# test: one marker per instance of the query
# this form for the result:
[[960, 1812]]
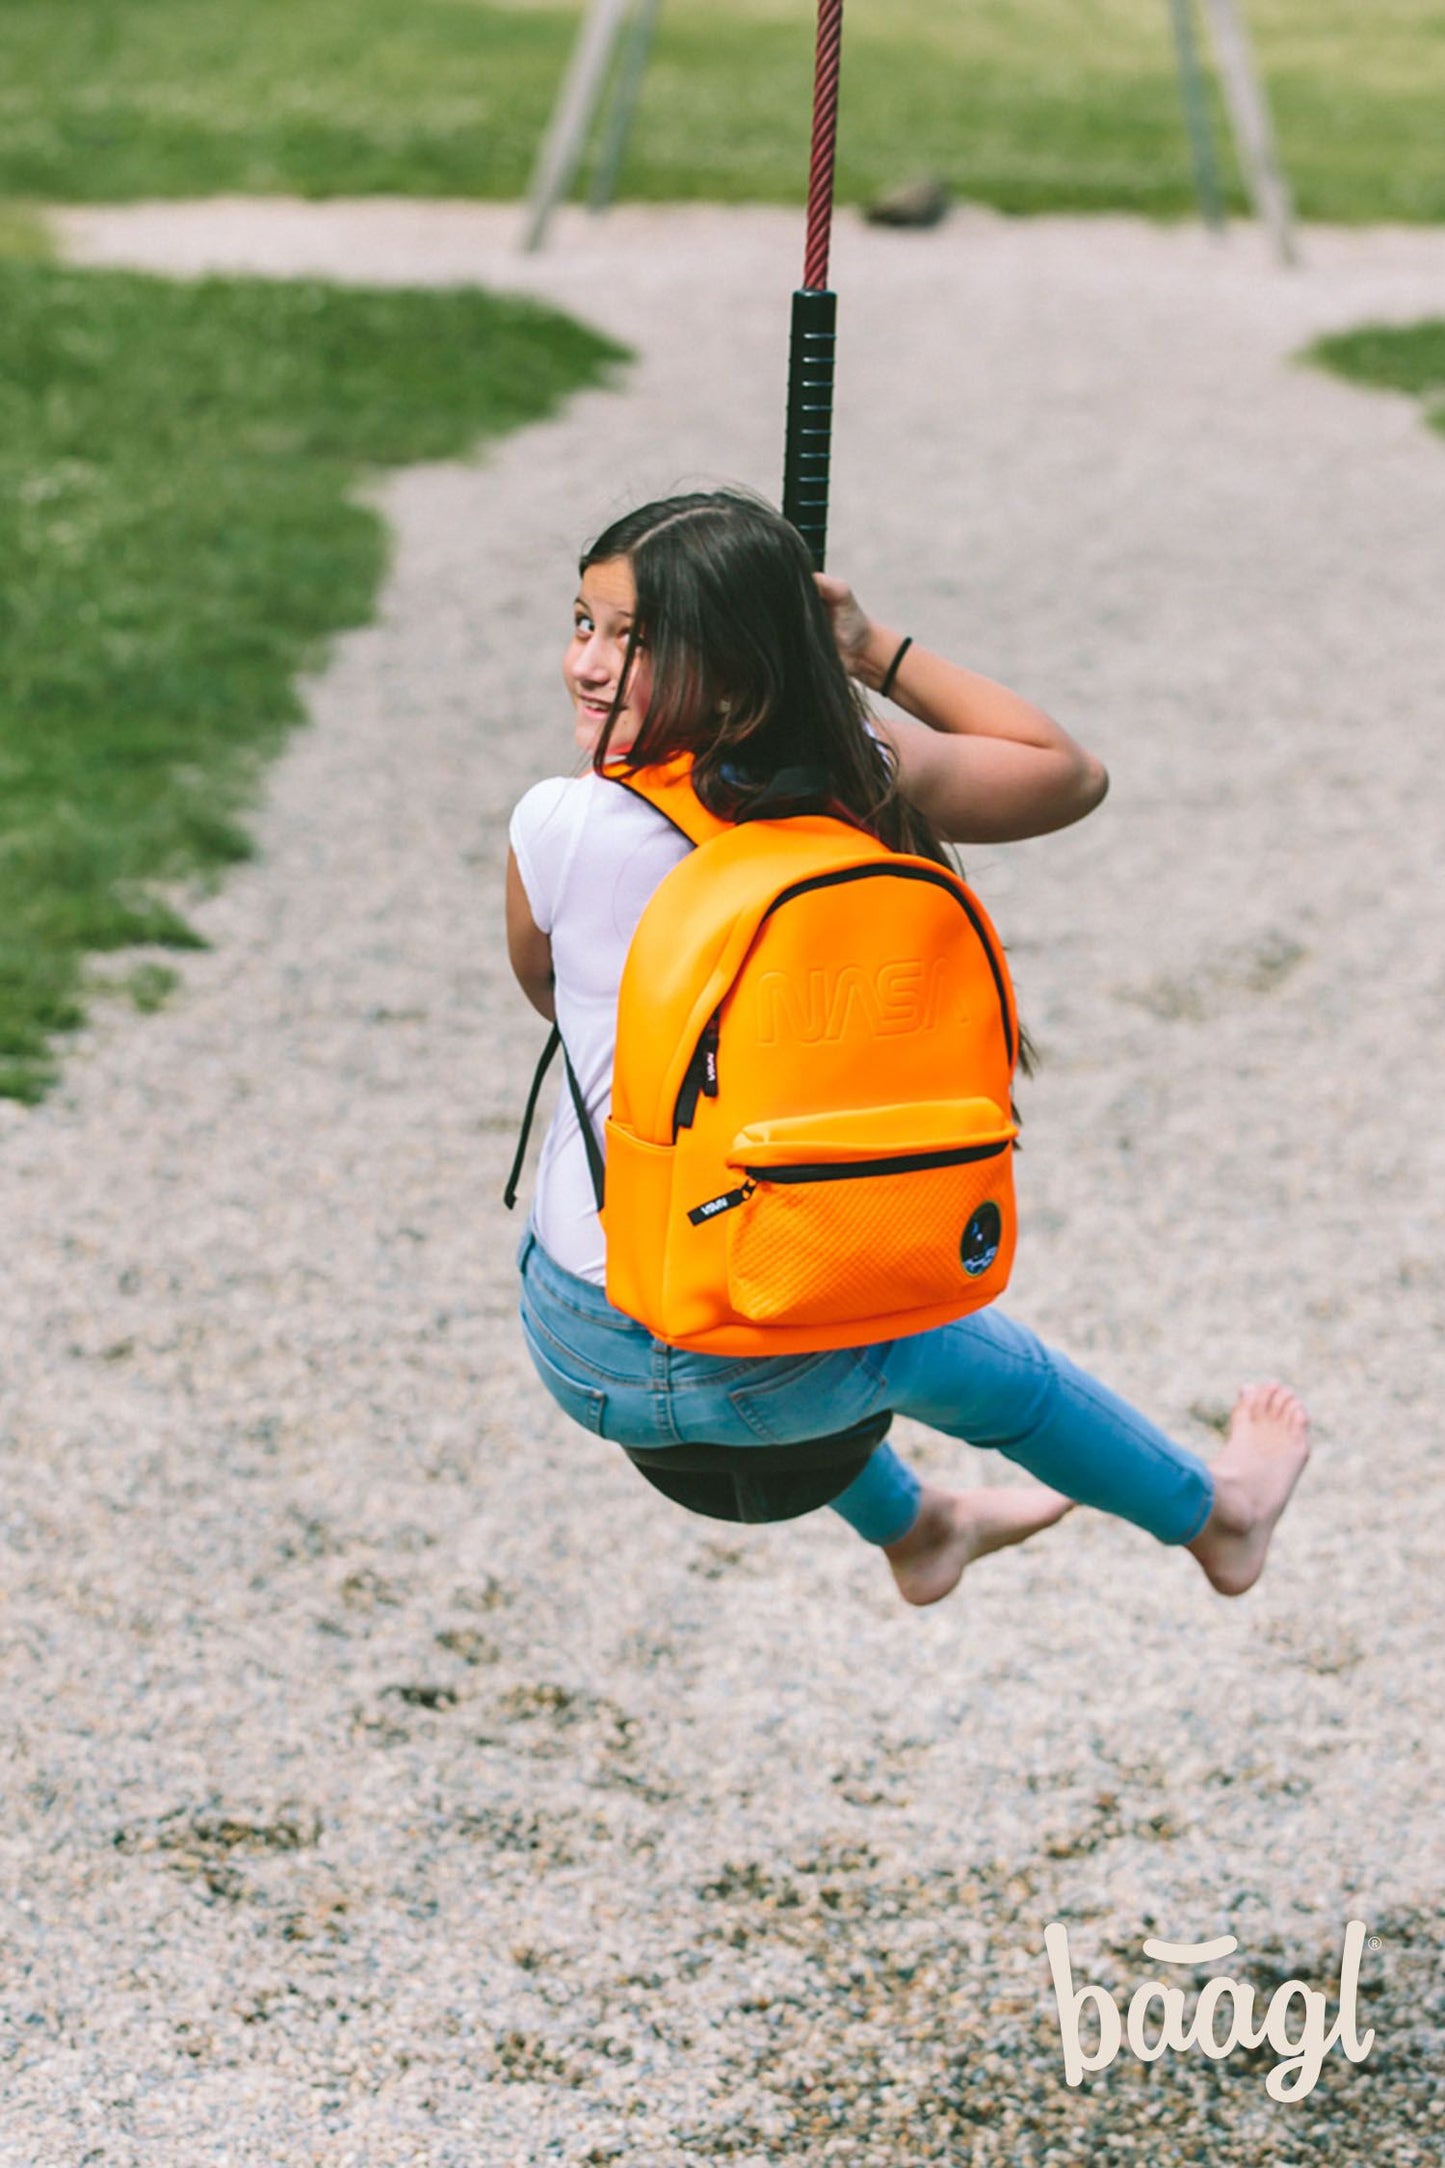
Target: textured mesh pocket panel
[[826, 1253]]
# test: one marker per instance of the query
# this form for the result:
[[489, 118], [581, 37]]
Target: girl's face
[[593, 664]]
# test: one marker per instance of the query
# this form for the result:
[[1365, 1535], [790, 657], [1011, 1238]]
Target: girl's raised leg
[[991, 1381]]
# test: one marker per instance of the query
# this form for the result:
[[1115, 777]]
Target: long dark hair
[[746, 674]]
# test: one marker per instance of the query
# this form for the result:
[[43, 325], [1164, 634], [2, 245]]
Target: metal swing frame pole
[[626, 91], [1248, 108], [561, 148], [1196, 117], [809, 442]]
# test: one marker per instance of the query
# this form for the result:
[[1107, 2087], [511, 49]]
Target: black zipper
[[700, 1081], [911, 873], [847, 1170]]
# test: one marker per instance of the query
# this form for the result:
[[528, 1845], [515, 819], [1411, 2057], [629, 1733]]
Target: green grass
[[178, 534], [23, 238], [1028, 104], [1393, 357]]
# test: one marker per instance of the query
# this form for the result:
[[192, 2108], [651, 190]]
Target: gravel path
[[392, 1777]]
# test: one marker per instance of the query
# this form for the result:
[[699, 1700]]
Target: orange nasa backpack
[[810, 1142]]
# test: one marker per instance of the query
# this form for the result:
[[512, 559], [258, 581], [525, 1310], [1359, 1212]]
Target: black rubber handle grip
[[810, 417]]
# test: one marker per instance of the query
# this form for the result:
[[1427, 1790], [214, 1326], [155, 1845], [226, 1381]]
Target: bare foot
[[954, 1528], [1253, 1477]]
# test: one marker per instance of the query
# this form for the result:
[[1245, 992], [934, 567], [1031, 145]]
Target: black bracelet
[[886, 684]]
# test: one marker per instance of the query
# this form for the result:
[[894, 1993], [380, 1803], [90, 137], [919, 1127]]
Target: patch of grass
[[150, 986], [1028, 104], [23, 235], [1395, 357], [178, 535]]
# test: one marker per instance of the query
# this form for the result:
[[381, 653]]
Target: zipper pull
[[701, 1079], [727, 1202]]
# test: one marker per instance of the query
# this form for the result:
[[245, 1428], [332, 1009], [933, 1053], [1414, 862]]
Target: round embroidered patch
[[981, 1238]]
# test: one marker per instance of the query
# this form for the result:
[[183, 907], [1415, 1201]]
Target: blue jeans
[[983, 1378]]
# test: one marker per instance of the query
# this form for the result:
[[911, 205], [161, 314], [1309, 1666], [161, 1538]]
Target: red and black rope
[[825, 143]]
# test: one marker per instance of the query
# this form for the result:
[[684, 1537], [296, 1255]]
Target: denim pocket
[[586, 1404], [808, 1396]]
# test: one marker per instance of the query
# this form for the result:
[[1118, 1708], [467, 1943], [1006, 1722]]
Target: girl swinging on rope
[[701, 628]]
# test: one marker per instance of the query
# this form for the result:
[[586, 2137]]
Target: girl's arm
[[528, 947], [981, 764]]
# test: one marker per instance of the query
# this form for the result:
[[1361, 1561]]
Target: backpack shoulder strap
[[668, 786], [595, 1164], [509, 1194]]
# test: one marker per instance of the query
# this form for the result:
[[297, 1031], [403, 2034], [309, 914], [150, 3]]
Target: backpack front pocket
[[865, 1213]]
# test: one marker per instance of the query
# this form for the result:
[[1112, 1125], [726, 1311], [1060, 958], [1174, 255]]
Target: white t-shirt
[[590, 854]]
